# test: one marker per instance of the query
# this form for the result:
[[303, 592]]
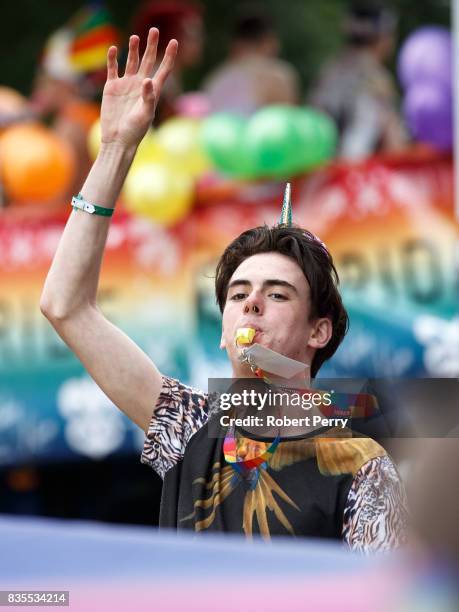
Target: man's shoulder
[[181, 410], [346, 451], [173, 388]]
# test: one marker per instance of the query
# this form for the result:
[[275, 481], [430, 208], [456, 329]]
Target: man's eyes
[[240, 296], [278, 296]]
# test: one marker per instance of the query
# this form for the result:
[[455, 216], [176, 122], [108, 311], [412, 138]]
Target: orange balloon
[[35, 164]]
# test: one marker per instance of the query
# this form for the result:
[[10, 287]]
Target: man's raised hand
[[129, 102]]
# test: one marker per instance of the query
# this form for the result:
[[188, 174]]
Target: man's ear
[[222, 341], [321, 333]]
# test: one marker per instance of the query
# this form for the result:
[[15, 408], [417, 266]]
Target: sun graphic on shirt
[[335, 455]]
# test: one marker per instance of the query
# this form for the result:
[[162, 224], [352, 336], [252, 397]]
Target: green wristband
[[79, 203]]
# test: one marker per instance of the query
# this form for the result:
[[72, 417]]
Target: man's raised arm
[[68, 300]]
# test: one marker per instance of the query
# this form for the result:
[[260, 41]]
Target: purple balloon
[[428, 110], [426, 56]]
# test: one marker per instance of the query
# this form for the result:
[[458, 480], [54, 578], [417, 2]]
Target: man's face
[[270, 293]]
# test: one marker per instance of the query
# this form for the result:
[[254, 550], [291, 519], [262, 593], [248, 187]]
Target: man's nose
[[252, 305], [251, 308]]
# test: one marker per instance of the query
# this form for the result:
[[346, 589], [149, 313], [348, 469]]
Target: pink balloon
[[194, 105]]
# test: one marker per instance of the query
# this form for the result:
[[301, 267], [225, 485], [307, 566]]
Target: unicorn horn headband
[[286, 213]]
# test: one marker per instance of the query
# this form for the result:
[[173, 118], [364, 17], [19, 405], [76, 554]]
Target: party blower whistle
[[245, 335]]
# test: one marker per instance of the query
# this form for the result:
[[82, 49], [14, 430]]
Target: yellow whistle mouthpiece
[[245, 335]]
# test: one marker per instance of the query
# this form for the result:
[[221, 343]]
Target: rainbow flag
[[94, 34]]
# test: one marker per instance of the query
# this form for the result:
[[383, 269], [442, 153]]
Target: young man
[[281, 283]]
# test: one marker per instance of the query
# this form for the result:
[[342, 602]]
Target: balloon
[[180, 139], [319, 137], [327, 135], [273, 141], [308, 153], [159, 192], [193, 104], [428, 111], [426, 55], [149, 149], [35, 165], [223, 140], [277, 141]]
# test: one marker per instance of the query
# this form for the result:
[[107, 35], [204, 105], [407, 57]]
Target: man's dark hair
[[314, 260]]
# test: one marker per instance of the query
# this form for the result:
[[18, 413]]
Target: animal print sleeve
[[179, 412], [375, 516]]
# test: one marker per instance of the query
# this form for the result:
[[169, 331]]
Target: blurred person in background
[[356, 88], [69, 81], [253, 75], [178, 19]]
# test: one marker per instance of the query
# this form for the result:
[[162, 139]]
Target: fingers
[[148, 61], [132, 62], [112, 64], [166, 65], [149, 57], [148, 94]]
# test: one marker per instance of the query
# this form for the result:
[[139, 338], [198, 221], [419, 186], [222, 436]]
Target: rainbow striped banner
[[389, 224]]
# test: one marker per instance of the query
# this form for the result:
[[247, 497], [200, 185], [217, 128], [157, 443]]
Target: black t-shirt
[[325, 484], [287, 495]]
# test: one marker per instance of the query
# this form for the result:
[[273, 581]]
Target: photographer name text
[[282, 421]]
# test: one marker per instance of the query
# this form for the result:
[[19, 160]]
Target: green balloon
[[278, 141], [319, 137], [222, 137], [309, 154], [272, 141], [327, 135]]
